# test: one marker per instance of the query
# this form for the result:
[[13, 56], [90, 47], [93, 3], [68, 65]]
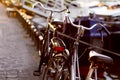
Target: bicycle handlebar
[[86, 28], [48, 9], [78, 26]]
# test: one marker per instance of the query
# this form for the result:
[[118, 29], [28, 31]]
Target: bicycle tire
[[53, 65], [64, 74], [45, 74], [43, 57]]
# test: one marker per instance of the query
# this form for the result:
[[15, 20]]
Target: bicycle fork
[[75, 71]]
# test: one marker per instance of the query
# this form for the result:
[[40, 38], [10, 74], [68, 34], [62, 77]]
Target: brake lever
[[106, 30]]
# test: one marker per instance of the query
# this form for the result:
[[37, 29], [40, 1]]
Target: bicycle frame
[[75, 72]]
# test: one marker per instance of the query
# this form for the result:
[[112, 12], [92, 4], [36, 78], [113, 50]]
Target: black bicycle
[[53, 49]]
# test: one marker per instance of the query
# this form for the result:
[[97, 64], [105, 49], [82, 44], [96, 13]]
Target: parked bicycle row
[[59, 55], [59, 44]]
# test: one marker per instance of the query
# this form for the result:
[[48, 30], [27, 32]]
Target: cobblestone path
[[18, 57]]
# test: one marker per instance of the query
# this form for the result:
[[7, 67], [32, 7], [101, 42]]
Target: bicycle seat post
[[93, 68]]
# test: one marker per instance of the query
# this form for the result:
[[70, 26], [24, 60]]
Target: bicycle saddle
[[99, 58]]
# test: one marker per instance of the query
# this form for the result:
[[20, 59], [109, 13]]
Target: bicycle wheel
[[46, 74], [54, 69], [58, 56], [49, 71], [64, 74]]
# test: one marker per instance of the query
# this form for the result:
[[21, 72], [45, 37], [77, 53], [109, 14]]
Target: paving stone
[[23, 73], [2, 74], [3, 79], [24, 78], [12, 78], [12, 73]]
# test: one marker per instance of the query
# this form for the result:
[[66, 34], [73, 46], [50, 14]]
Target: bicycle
[[74, 58], [49, 48], [74, 73], [97, 58]]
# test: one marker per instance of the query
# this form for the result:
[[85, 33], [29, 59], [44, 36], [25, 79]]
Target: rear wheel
[[47, 75], [54, 69], [57, 69]]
